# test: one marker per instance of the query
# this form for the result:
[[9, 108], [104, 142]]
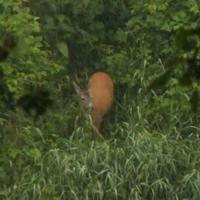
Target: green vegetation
[[151, 145]]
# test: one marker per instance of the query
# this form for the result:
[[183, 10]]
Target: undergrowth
[[143, 166]]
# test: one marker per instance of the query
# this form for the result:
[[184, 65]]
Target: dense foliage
[[151, 141]]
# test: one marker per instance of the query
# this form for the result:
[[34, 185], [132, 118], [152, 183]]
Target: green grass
[[153, 153], [142, 166]]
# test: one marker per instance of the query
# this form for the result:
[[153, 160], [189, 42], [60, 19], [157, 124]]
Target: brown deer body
[[98, 96]]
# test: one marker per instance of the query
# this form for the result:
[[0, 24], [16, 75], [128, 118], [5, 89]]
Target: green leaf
[[63, 48], [14, 152], [182, 14], [86, 2], [2, 121], [61, 17], [35, 154]]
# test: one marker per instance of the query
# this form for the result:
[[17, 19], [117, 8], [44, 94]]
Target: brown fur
[[99, 94]]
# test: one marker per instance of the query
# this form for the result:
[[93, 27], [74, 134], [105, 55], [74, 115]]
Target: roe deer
[[98, 96]]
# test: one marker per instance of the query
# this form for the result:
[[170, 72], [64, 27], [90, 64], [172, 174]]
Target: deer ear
[[89, 84], [77, 88]]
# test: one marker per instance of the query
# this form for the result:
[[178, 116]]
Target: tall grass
[[142, 166], [153, 153]]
